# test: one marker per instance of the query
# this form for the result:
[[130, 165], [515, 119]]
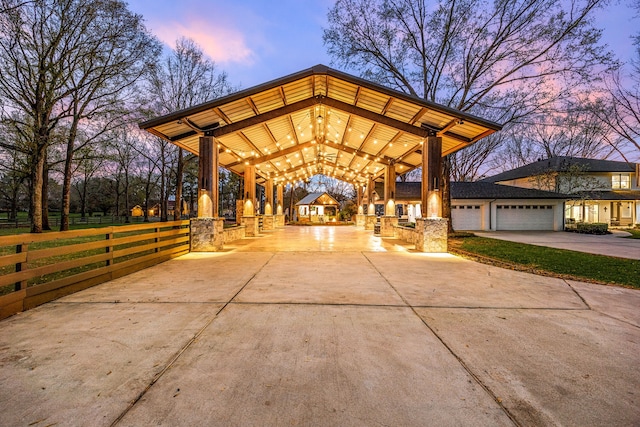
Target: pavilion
[[319, 121]]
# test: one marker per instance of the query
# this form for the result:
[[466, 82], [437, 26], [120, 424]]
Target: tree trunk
[[35, 203], [83, 199], [126, 198], [66, 185], [177, 210], [45, 194]]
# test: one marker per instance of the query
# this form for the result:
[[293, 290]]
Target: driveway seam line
[[184, 348], [458, 358], [577, 293]]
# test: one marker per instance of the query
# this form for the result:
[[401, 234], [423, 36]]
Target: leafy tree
[[186, 77], [503, 60], [62, 59]]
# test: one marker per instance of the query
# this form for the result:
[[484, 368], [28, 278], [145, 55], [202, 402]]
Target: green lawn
[[635, 233], [557, 262]]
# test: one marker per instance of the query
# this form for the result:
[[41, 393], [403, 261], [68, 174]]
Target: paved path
[[325, 326], [609, 244]]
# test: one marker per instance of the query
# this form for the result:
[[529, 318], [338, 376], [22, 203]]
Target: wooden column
[[208, 194], [280, 193], [249, 190], [371, 207], [268, 208], [431, 186], [390, 190]]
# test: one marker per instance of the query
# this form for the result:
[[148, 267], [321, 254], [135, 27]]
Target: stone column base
[[207, 234], [279, 220], [431, 234], [251, 226], [360, 219], [268, 223], [387, 224], [369, 222]]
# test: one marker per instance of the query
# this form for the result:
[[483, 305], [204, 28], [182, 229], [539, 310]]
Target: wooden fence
[[38, 268]]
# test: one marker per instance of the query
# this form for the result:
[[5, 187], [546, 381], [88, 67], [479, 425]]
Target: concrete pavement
[[325, 326], [609, 244]]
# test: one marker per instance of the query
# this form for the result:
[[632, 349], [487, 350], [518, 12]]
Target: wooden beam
[[283, 95], [387, 106], [219, 112], [280, 153], [448, 126], [261, 118], [375, 117], [419, 114], [253, 106]]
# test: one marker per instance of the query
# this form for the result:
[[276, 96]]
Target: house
[[317, 207], [137, 211], [487, 206], [604, 191]]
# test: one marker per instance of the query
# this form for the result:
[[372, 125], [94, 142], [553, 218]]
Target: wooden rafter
[[387, 106], [448, 126], [419, 114], [221, 113], [253, 106], [265, 117]]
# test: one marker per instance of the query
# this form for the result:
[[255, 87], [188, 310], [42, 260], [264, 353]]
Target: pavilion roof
[[320, 121], [318, 199]]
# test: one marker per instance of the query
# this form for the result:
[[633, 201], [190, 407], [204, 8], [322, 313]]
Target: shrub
[[592, 228]]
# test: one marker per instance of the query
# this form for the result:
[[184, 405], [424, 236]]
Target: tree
[[116, 52], [185, 78], [55, 59], [503, 60]]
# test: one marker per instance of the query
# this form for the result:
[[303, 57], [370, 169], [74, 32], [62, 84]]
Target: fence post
[[109, 248], [157, 239], [21, 266]]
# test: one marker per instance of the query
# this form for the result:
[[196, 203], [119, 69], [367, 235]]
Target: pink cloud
[[222, 44]]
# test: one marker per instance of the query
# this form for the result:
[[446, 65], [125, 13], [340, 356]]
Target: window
[[620, 182]]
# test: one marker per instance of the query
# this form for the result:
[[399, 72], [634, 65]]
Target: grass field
[[550, 261]]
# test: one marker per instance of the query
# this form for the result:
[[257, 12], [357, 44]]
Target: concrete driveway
[[345, 330], [614, 244]]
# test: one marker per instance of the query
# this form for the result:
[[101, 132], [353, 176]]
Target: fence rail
[[55, 221], [38, 268]]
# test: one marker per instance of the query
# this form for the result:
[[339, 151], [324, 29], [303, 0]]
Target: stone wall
[[233, 233], [405, 233]]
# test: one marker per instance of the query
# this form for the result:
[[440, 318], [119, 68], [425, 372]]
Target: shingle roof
[[612, 195], [406, 191], [312, 197], [561, 164]]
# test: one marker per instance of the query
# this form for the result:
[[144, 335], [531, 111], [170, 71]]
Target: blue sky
[[255, 41]]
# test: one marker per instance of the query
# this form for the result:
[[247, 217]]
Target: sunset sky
[[255, 41]]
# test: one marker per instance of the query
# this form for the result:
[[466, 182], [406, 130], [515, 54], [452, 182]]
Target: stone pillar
[[249, 219], [431, 166], [431, 235], [207, 234], [207, 229]]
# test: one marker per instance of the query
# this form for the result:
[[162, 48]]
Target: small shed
[[318, 207], [137, 211]]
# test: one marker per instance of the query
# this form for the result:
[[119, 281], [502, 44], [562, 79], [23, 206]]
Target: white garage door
[[524, 217], [466, 217]]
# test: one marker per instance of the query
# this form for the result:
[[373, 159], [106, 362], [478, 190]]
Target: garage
[[466, 217], [524, 217]]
